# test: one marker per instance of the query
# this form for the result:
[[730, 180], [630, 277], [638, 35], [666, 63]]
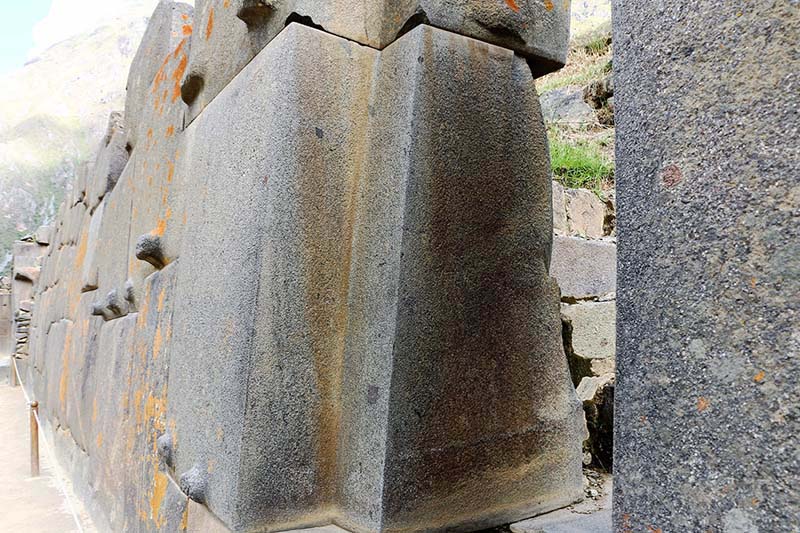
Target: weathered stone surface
[[450, 267], [91, 250], [597, 395], [225, 37], [108, 165], [707, 166], [200, 520], [168, 31], [584, 268], [6, 316], [290, 278], [560, 226], [565, 105], [590, 338], [300, 332], [44, 235], [586, 213], [593, 515], [358, 270]]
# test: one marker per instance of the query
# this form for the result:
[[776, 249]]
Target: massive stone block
[[442, 296], [227, 34], [304, 312], [709, 353], [263, 290]]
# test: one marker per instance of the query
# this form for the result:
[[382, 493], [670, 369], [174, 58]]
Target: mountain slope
[[53, 112]]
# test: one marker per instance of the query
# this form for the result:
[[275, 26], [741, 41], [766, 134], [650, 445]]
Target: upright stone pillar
[[708, 363]]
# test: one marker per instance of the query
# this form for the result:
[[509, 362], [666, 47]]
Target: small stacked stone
[[22, 324]]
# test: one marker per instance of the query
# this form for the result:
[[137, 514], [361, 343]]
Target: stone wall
[[585, 265], [6, 331], [306, 278]]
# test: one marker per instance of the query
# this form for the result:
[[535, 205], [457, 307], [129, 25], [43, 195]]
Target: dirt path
[[28, 505]]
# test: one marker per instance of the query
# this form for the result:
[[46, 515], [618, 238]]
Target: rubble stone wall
[[306, 278]]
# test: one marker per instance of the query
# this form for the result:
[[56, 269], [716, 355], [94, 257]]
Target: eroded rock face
[[319, 292]]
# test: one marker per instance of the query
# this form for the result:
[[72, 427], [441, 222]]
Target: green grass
[[589, 59], [579, 164], [583, 70]]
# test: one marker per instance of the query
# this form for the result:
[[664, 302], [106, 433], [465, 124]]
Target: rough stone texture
[[6, 316], [597, 395], [565, 105], [225, 43], [707, 167], [453, 288], [325, 299], [593, 515], [584, 268], [560, 226], [43, 235], [586, 213], [108, 165], [590, 338]]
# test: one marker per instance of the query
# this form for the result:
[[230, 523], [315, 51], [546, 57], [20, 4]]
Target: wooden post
[[34, 440], [14, 377]]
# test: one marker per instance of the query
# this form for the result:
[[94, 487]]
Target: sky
[[17, 19], [28, 27]]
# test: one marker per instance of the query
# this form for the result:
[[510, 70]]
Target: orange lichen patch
[[157, 498], [548, 5], [178, 49], [226, 3], [99, 440], [626, 523], [94, 410], [220, 433], [654, 529], [702, 404], [81, 254], [513, 5], [153, 408], [150, 133], [170, 172], [177, 76], [62, 389], [187, 29], [170, 131], [137, 401], [758, 378], [210, 23], [161, 297], [185, 519], [161, 227], [566, 5], [157, 342], [185, 17]]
